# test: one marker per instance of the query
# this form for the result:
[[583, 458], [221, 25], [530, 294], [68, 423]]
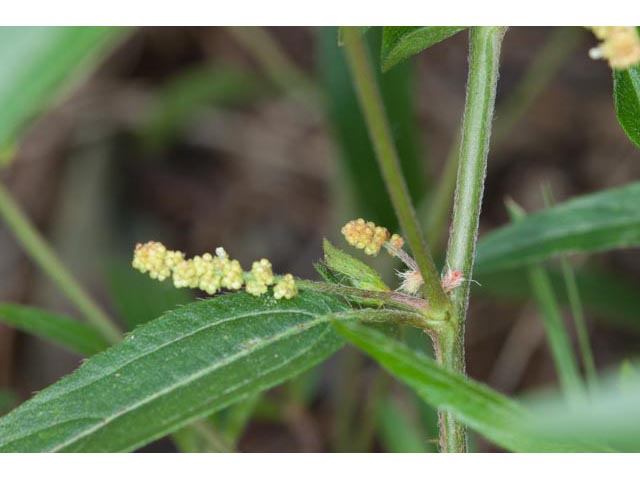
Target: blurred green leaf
[[554, 327], [610, 296], [486, 411], [591, 223], [139, 299], [398, 432], [71, 334], [357, 158], [626, 98], [38, 62], [184, 95], [186, 364], [400, 43], [610, 417]]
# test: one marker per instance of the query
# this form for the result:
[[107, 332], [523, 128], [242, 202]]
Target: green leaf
[[37, 62], [356, 273], [139, 299], [554, 327], [186, 364], [400, 43], [613, 297], [591, 223], [486, 411], [610, 417], [71, 334], [626, 98]]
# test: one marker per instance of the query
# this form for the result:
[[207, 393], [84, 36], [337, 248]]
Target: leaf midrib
[[40, 400], [186, 380]]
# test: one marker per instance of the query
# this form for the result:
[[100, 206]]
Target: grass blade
[[71, 334], [577, 311], [557, 336]]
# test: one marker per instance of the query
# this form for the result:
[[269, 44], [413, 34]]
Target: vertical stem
[[485, 43], [387, 155], [546, 64], [40, 251]]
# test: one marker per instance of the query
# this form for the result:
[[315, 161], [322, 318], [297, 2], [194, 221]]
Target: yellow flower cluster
[[620, 46], [285, 288], [154, 258], [261, 276], [365, 236], [209, 273], [371, 238]]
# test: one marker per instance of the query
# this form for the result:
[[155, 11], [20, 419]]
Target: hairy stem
[[41, 253], [546, 64], [373, 108], [484, 58]]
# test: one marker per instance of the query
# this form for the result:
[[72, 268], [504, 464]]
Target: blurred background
[[252, 139]]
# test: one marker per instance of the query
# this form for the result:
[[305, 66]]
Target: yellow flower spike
[[154, 258], [365, 236], [620, 46], [232, 275], [285, 288], [186, 275], [209, 272]]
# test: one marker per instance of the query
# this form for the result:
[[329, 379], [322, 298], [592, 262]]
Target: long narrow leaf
[[554, 327], [612, 297], [591, 223], [494, 416], [71, 334], [610, 417], [555, 330], [184, 365], [37, 62]]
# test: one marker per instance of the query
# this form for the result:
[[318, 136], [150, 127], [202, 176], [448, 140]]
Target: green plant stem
[[435, 209], [373, 109], [485, 43], [41, 253]]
